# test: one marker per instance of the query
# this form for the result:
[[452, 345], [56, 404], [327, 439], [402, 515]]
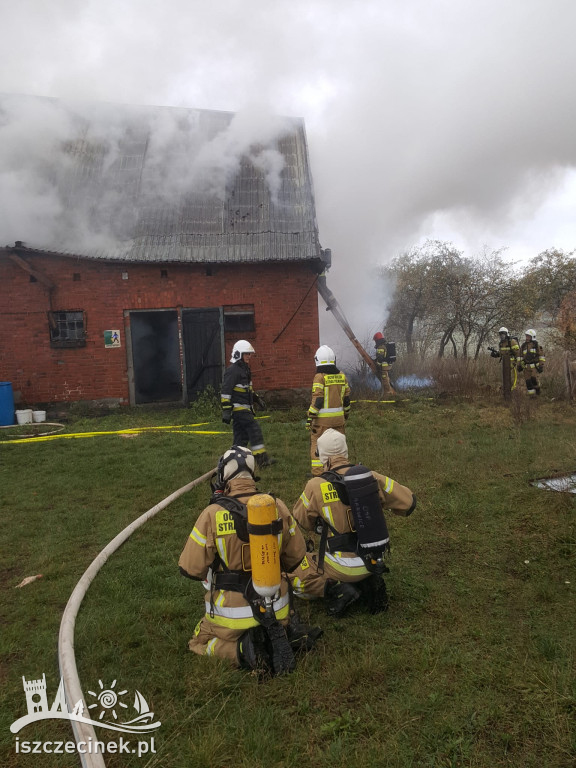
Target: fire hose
[[83, 732]]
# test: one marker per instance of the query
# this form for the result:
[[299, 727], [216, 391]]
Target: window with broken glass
[[67, 328]]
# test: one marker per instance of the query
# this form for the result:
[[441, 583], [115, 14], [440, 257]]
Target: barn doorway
[[156, 356], [202, 334]]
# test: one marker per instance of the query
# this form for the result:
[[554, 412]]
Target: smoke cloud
[[425, 118]]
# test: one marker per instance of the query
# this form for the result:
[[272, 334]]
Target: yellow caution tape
[[131, 431]]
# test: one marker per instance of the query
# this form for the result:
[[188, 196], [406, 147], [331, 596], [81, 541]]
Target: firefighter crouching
[[237, 401], [531, 361], [249, 619], [384, 359], [330, 404], [353, 534]]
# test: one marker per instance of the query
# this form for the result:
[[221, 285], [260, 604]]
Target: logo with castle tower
[[106, 703]]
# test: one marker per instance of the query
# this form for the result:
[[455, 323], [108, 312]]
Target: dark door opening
[[156, 356], [202, 332]]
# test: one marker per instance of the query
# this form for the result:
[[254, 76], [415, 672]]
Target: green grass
[[473, 665]]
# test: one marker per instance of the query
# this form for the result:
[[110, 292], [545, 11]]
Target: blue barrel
[[6, 404]]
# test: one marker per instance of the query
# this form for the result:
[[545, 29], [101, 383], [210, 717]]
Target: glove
[[519, 367], [227, 417], [539, 368], [494, 354], [260, 402]]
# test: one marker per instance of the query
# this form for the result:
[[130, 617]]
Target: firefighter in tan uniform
[[383, 362], [508, 353], [330, 404], [531, 361], [218, 553], [344, 569]]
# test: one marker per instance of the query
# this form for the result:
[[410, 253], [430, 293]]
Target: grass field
[[473, 665]]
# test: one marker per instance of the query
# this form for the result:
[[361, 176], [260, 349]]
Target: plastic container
[[24, 416], [38, 416], [6, 404]]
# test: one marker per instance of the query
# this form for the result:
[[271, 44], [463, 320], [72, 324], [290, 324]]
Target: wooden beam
[[40, 276]]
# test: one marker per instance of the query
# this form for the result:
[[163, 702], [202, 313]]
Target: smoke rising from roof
[[425, 118]]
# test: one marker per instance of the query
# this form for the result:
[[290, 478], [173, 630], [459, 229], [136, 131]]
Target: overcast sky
[[450, 119]]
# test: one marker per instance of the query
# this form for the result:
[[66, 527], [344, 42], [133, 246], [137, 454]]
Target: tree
[[549, 278], [424, 279], [445, 300]]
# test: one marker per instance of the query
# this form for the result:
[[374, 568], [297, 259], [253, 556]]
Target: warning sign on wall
[[111, 339]]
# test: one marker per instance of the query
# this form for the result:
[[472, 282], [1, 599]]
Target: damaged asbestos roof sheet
[[157, 184]]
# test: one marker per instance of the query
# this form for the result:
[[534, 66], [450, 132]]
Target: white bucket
[[38, 416], [25, 416]]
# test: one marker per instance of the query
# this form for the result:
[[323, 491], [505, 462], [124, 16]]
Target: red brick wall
[[43, 374]]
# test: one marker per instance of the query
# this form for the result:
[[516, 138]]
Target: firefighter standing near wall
[[219, 552], [330, 404], [508, 352], [383, 362], [531, 361], [353, 533], [237, 400]]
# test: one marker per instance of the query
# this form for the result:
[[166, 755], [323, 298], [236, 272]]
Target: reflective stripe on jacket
[[214, 542], [237, 389], [330, 403], [318, 500], [531, 354]]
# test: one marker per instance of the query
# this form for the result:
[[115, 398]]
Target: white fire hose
[[83, 732]]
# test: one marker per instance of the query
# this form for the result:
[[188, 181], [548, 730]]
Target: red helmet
[[378, 336]]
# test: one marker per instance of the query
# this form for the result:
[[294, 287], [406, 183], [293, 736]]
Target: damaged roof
[[156, 184]]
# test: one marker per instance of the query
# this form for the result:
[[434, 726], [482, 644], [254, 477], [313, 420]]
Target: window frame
[[238, 311], [57, 324]]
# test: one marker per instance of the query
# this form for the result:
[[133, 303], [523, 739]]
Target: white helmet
[[240, 348], [237, 462], [324, 356], [531, 332], [503, 330]]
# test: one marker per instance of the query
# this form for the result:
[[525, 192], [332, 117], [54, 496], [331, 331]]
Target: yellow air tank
[[263, 529]]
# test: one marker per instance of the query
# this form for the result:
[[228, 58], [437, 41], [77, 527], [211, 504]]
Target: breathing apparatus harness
[[244, 581], [236, 580], [369, 538]]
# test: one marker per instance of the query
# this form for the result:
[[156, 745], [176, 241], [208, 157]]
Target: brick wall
[[42, 374]]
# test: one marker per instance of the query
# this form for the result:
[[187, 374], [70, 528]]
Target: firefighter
[[336, 571], [383, 362], [531, 361], [237, 400], [508, 352], [330, 404], [507, 346], [218, 553]]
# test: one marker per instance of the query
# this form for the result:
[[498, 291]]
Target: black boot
[[281, 652], [302, 636], [253, 651], [374, 593], [263, 460], [339, 596]]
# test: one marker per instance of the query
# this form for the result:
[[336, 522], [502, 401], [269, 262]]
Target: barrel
[[6, 404]]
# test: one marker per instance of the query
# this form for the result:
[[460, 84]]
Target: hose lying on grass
[[66, 659]]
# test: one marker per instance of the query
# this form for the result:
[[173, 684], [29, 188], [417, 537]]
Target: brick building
[[139, 287]]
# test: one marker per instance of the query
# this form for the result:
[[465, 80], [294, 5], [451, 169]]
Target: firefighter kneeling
[[345, 506], [239, 546]]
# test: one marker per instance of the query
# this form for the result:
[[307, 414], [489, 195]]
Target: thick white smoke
[[425, 118]]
